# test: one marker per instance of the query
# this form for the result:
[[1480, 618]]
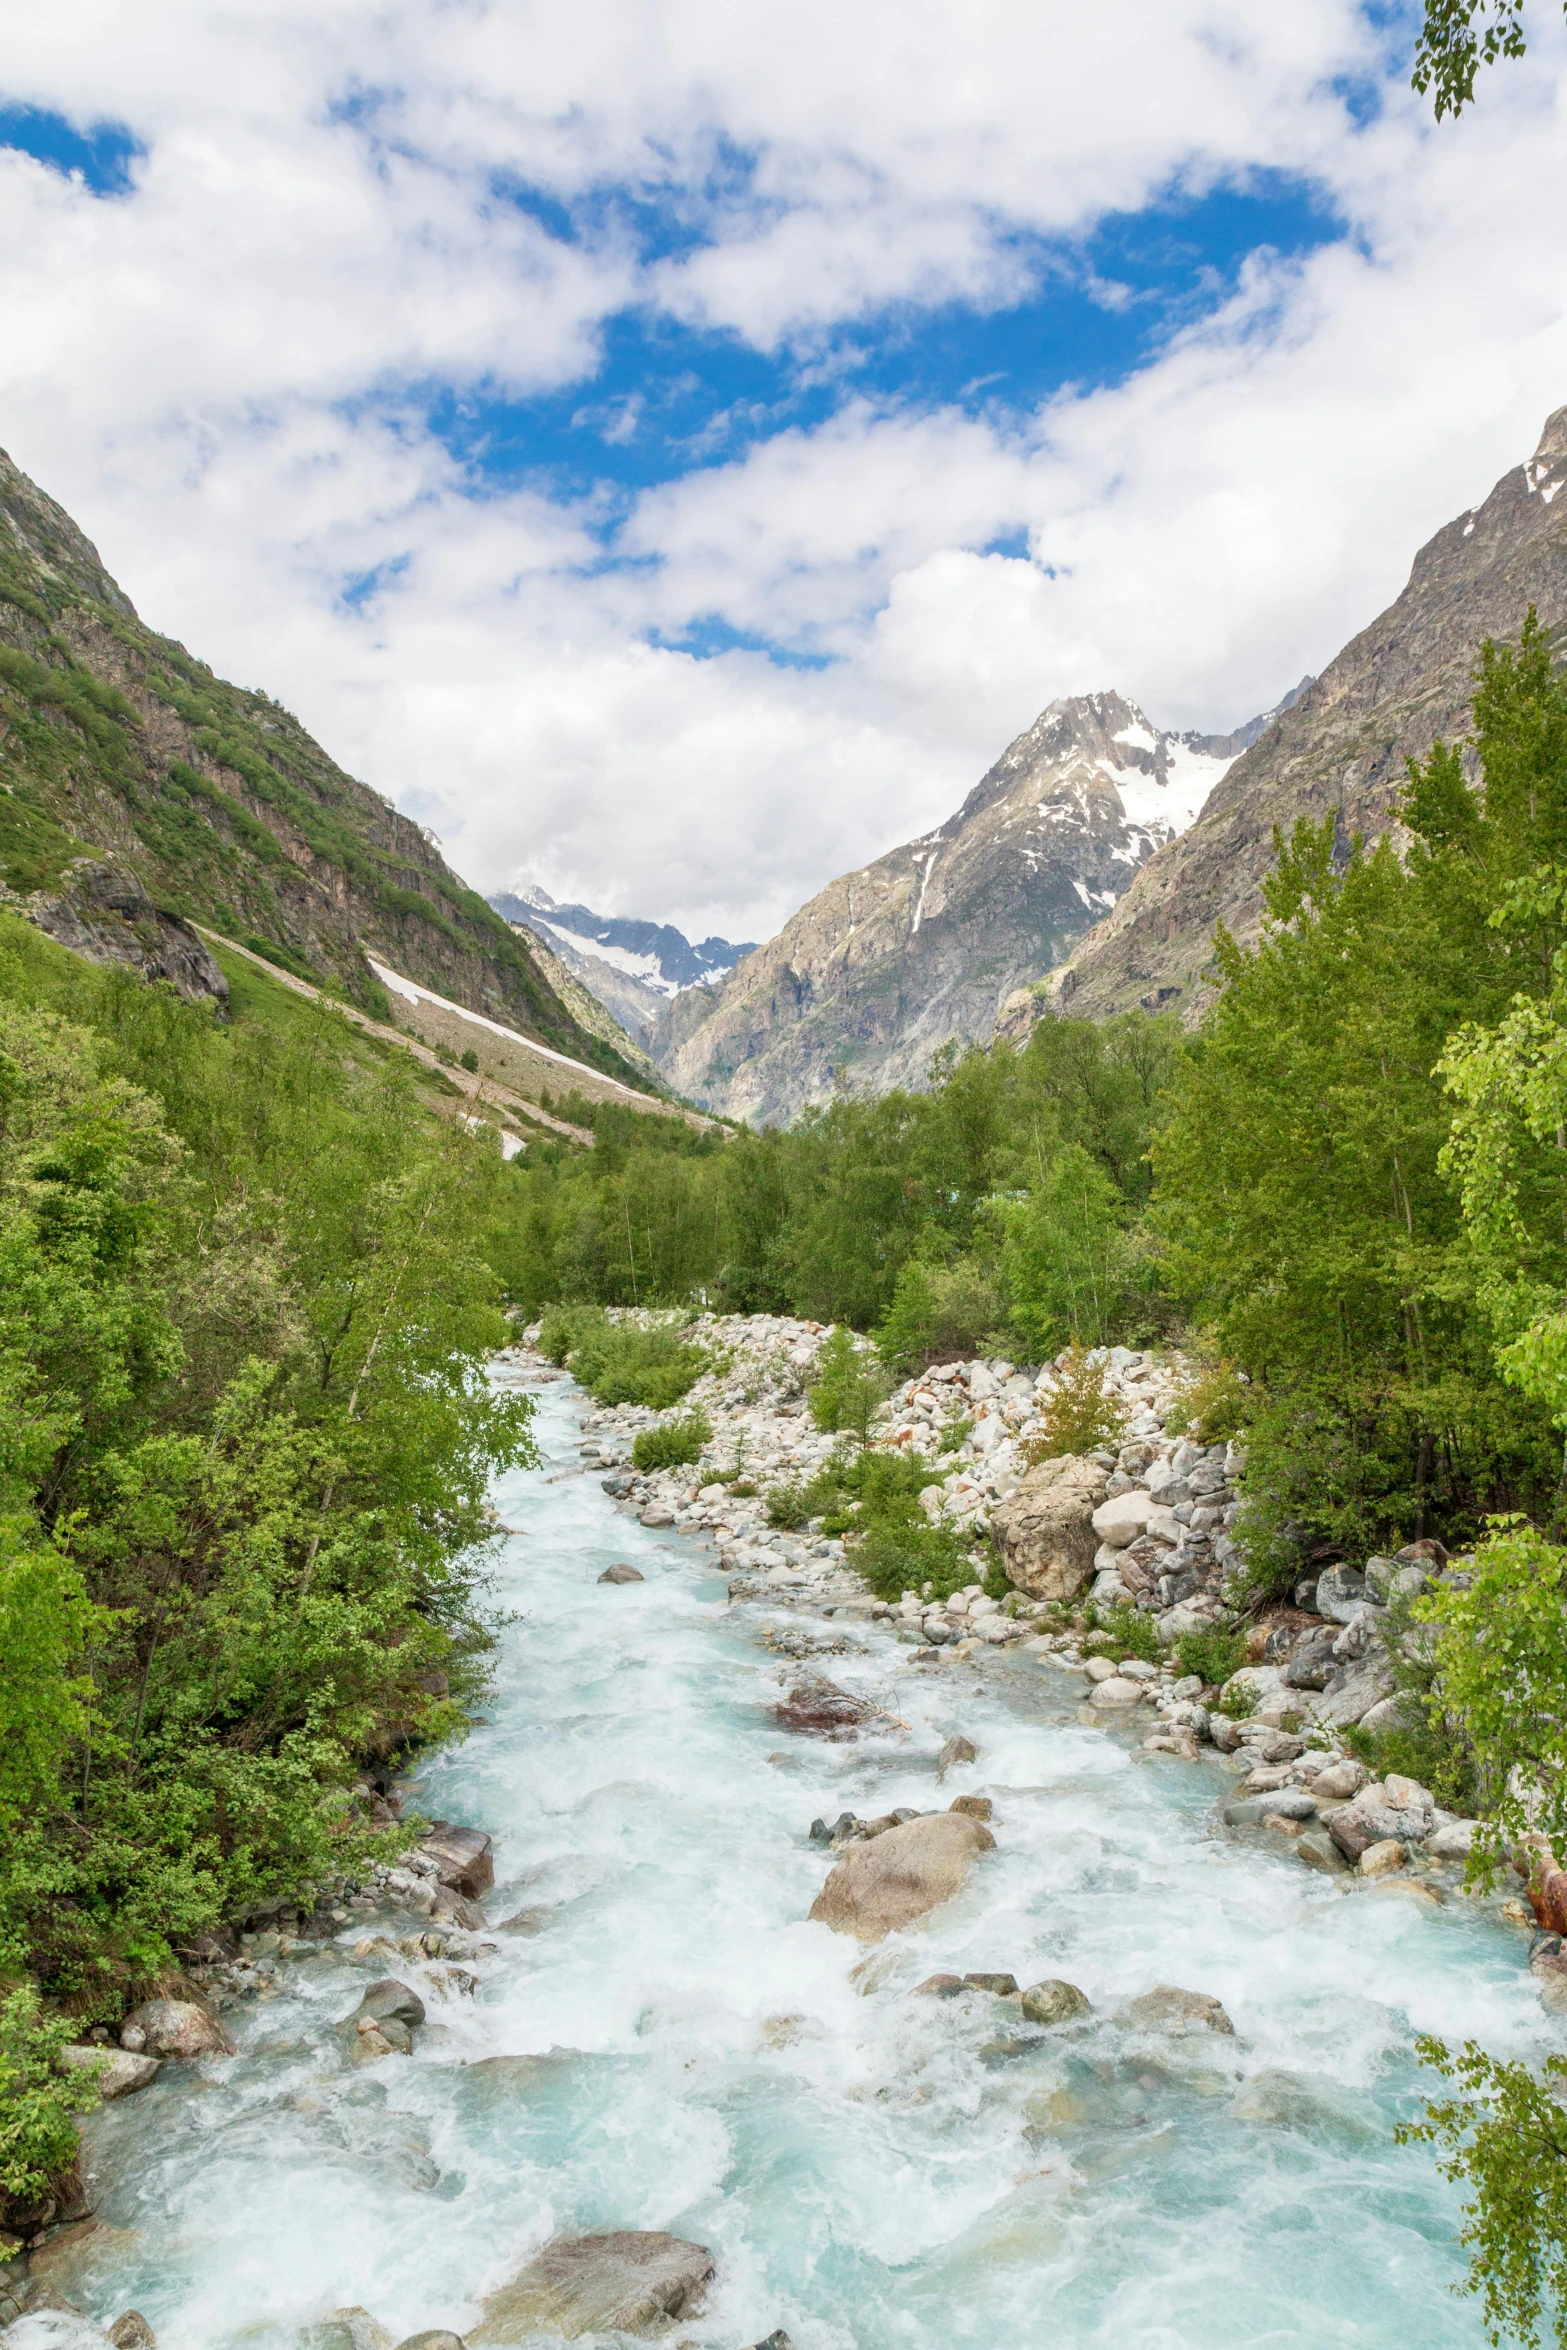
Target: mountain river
[[682, 2050]]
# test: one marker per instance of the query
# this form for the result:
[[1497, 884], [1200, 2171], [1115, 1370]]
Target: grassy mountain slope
[[117, 743]]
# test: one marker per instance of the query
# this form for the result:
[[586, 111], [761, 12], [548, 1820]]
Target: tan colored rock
[[1108, 1695], [879, 1888], [1380, 1860], [631, 2282], [1044, 1528], [1175, 2012], [179, 2027]]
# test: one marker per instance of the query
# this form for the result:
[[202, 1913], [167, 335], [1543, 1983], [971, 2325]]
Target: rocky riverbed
[[1154, 1524], [776, 1978]]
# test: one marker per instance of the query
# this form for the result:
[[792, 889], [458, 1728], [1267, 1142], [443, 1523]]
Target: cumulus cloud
[[339, 216]]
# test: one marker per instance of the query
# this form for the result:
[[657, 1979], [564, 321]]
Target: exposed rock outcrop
[[1044, 1528]]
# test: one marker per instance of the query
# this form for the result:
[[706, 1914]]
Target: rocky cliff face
[[129, 770], [1398, 686], [886, 965]]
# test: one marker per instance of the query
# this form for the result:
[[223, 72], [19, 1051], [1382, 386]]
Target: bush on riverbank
[[623, 1362], [244, 1313], [674, 1444]]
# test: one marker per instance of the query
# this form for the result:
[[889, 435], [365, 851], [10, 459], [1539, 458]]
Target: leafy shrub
[[468, 1059], [1504, 2141], [674, 1443], [1237, 1701], [938, 1314], [872, 1500], [622, 1362], [1213, 1656], [38, 2103], [1077, 1416], [1124, 1631], [847, 1388], [1213, 1407], [788, 1505], [955, 1435]]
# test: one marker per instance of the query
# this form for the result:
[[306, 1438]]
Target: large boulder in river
[[178, 2027], [880, 1887], [1044, 1529], [630, 2282], [462, 1858]]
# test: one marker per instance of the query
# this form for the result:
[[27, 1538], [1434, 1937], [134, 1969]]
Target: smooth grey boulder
[[630, 2281], [392, 2001], [1282, 1803], [1352, 1692], [1340, 1591], [118, 2071], [622, 1573]]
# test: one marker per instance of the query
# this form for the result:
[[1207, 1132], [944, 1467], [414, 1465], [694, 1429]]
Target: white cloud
[[219, 375]]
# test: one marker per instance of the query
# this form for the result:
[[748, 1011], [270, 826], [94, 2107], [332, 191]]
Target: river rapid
[[672, 2046]]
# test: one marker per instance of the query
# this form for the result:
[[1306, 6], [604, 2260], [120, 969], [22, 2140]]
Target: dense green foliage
[[673, 1444], [245, 1299], [623, 1362], [940, 1219], [38, 2104], [1505, 2136], [1309, 1217]]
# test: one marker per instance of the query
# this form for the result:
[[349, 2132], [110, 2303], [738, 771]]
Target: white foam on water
[[675, 2047]]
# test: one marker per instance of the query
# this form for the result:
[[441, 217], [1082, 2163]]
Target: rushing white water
[[675, 2047]]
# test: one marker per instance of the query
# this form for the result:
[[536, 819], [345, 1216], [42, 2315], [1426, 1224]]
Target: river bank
[[653, 2036]]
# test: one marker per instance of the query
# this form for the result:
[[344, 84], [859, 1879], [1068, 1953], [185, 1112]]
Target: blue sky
[[671, 450]]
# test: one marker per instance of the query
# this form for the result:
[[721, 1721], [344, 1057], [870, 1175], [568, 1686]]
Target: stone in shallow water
[[132, 2332], [973, 1807], [437, 2339], [1003, 1986], [1175, 2012], [878, 1888], [1275, 2100], [348, 2329], [1054, 2002], [958, 1749], [631, 2281], [622, 1574], [939, 1987]]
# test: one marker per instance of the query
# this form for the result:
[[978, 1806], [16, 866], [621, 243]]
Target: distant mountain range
[[927, 945], [634, 968]]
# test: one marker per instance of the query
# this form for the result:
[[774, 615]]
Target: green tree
[[1505, 2137]]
